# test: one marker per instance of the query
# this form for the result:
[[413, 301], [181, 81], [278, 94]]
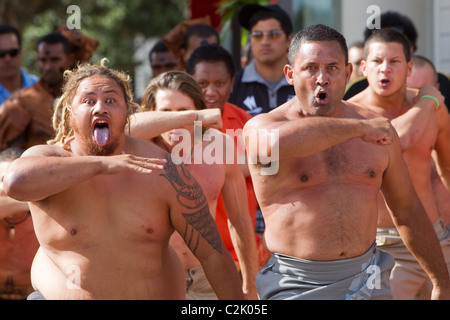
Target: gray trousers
[[361, 278]]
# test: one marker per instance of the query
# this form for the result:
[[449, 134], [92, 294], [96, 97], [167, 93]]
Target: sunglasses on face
[[11, 52], [272, 34]]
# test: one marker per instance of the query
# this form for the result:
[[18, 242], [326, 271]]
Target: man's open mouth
[[385, 82], [322, 97], [101, 132]]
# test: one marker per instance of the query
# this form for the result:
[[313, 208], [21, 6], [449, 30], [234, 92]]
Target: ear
[[363, 67], [289, 74], [410, 65], [349, 71]]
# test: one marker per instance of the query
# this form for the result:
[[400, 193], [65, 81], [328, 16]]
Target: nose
[[322, 78], [209, 90], [100, 108], [384, 67]]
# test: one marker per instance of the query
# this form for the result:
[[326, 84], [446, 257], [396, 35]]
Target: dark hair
[[158, 47], [387, 35], [53, 38], [265, 15], [317, 32], [7, 28], [200, 30], [210, 53], [399, 22]]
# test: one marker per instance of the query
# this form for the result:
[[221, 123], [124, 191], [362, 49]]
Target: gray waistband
[[323, 270]]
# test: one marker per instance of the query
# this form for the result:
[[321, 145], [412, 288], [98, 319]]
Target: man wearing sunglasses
[[26, 116], [12, 77], [261, 86]]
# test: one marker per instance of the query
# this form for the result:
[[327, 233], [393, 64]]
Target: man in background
[[26, 117], [12, 77]]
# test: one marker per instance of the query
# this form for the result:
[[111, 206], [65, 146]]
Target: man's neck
[[13, 83], [390, 106], [271, 72]]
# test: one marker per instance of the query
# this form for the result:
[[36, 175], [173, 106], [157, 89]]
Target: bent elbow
[[13, 186]]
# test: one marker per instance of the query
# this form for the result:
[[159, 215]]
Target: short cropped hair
[[202, 31], [211, 53], [265, 15], [314, 33], [7, 28], [399, 22], [388, 35], [53, 38]]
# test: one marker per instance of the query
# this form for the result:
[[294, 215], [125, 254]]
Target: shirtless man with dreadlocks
[[101, 234]]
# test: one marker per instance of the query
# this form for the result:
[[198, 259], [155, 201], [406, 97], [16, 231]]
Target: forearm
[[149, 124], [36, 178], [10, 206], [223, 276], [299, 138], [421, 240], [243, 239]]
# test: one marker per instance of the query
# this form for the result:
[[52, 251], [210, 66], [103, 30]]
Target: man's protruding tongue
[[101, 135]]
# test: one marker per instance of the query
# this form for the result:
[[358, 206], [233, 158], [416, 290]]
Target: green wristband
[[435, 100]]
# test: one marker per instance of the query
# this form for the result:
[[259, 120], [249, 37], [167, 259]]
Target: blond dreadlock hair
[[72, 78]]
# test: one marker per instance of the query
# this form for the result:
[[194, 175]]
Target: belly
[[323, 224], [109, 275]]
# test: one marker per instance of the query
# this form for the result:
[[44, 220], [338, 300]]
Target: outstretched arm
[[149, 124], [191, 218], [43, 171], [304, 136], [411, 125]]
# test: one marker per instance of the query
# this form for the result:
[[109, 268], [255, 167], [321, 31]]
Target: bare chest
[[353, 162], [104, 211]]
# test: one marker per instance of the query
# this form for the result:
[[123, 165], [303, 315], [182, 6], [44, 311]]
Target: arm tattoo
[[190, 196]]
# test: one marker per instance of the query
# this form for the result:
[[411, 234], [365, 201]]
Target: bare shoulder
[[46, 151], [285, 112], [359, 111], [145, 148]]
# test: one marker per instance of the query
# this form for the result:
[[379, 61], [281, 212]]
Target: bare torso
[[325, 204], [108, 244], [417, 158]]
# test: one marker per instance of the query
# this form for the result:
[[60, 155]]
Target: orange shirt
[[234, 117]]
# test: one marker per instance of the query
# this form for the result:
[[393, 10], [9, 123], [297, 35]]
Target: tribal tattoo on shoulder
[[199, 223]]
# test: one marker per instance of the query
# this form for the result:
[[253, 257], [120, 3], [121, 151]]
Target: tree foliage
[[115, 23]]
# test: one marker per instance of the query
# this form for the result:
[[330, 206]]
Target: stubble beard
[[86, 142]]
